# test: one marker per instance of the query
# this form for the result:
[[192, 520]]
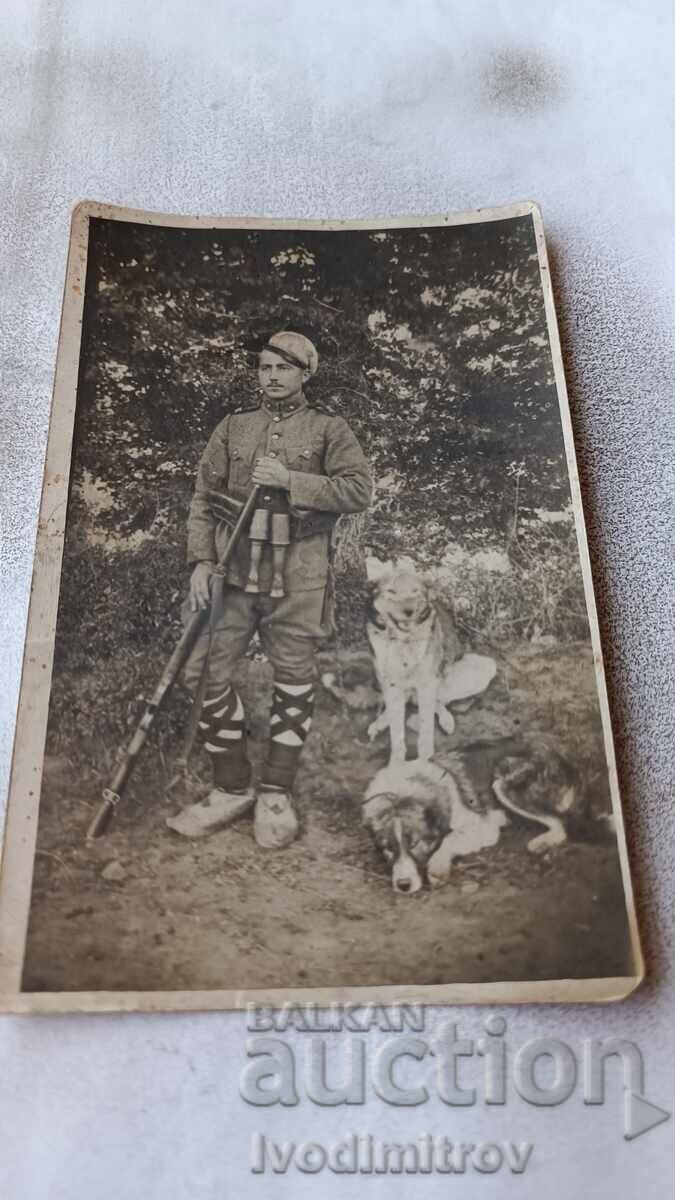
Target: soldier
[[309, 468]]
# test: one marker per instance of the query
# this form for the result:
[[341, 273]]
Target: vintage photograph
[[313, 698]]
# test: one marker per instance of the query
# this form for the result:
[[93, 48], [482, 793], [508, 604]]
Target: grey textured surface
[[288, 108]]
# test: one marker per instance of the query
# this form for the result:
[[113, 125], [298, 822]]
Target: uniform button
[[276, 436], [273, 453], [277, 418], [267, 498]]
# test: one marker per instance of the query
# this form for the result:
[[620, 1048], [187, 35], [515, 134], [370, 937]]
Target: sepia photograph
[[313, 700]]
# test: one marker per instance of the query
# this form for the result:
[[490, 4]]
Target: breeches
[[289, 628]]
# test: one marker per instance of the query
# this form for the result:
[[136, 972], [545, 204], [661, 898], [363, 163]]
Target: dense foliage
[[432, 344]]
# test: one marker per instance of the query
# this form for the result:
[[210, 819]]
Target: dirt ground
[[221, 913]]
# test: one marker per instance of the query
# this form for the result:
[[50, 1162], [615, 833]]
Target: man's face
[[279, 379]]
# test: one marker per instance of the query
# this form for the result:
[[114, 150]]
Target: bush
[[539, 595], [120, 617]]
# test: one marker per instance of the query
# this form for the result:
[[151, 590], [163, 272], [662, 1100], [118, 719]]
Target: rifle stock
[[114, 792]]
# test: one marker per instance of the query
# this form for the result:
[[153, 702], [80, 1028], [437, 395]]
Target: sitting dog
[[413, 637], [424, 815]]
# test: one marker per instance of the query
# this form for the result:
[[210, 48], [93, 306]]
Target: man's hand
[[200, 585], [269, 472]]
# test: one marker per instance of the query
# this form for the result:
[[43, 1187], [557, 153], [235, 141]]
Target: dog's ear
[[377, 811], [436, 818], [405, 563], [376, 570], [452, 645]]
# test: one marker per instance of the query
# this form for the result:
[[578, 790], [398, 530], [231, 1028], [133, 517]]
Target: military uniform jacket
[[328, 476]]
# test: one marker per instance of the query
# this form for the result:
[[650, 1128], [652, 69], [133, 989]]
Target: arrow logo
[[640, 1115]]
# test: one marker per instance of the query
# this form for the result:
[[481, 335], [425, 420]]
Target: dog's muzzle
[[405, 877]]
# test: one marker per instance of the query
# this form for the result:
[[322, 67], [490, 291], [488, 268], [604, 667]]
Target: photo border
[[22, 807]]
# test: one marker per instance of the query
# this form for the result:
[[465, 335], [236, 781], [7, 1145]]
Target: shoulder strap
[[321, 408]]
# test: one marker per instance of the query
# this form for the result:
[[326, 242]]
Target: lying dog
[[423, 815], [413, 638]]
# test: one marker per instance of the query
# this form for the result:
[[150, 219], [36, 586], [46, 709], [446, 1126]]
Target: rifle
[[114, 792]]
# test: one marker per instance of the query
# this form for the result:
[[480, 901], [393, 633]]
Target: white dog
[[422, 816], [413, 639]]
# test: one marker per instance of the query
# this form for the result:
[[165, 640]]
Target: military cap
[[296, 349]]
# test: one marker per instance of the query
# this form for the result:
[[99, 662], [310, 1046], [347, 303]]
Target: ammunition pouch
[[305, 522], [224, 508]]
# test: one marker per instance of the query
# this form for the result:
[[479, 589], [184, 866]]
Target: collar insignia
[[283, 408]]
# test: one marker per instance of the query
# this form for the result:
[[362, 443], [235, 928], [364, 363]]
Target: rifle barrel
[[113, 794]]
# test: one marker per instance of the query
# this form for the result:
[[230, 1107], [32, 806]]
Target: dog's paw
[[397, 757], [445, 719], [538, 845], [438, 879], [555, 836], [377, 726], [440, 866]]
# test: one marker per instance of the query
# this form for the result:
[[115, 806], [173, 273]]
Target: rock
[[114, 872], [470, 887]]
